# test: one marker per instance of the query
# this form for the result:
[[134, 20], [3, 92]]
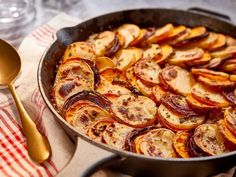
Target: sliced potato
[[140, 38], [120, 38], [219, 43], [82, 50], [125, 58], [216, 84], [182, 56], [103, 42], [115, 135], [112, 74], [230, 41], [209, 97], [176, 31], [84, 117], [160, 34], [226, 132], [200, 61], [213, 63], [156, 143], [147, 70], [208, 138], [104, 63], [135, 111], [166, 52], [224, 52], [174, 76], [153, 51], [96, 129], [230, 96], [230, 119], [229, 65], [177, 41], [232, 77], [179, 142], [157, 93], [195, 34], [198, 106], [130, 32], [144, 89], [178, 122], [131, 76], [210, 74], [106, 88], [206, 42]]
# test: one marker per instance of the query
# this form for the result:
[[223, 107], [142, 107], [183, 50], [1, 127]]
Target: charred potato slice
[[160, 34], [157, 93], [174, 76], [130, 32], [181, 57], [82, 50], [153, 51], [208, 138], [147, 70], [230, 119], [95, 131], [103, 63], [125, 58], [135, 111], [177, 121], [209, 97], [83, 117], [219, 43], [210, 74], [227, 134], [156, 143], [115, 135], [103, 42], [179, 142]]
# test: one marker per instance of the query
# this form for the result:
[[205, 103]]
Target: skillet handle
[[87, 159], [210, 13]]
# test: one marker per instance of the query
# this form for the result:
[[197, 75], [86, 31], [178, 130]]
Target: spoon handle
[[37, 145]]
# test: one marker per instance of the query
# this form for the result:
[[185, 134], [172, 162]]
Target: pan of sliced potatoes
[[149, 92]]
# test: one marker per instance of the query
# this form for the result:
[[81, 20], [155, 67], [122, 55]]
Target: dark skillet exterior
[[135, 164]]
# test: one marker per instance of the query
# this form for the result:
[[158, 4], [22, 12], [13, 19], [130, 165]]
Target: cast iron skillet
[[127, 162]]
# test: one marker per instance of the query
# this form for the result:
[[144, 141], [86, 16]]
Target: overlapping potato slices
[[156, 143], [173, 78], [209, 139], [82, 50], [133, 87], [135, 111]]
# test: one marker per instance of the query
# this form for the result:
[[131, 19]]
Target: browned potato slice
[[177, 41], [156, 143], [103, 42], [125, 58], [230, 119], [198, 106], [166, 52], [206, 42], [226, 132], [131, 76], [130, 32], [83, 117], [174, 76], [232, 77], [140, 38], [104, 63], [108, 88], [224, 52], [195, 33], [82, 50], [135, 111], [144, 89], [96, 130], [160, 34], [179, 143], [219, 43], [115, 135], [68, 87], [230, 96], [111, 75], [208, 138], [187, 55], [213, 63], [230, 41], [200, 61], [74, 68], [210, 74], [120, 38], [153, 51], [229, 65], [209, 97], [177, 121], [147, 70], [176, 31], [157, 93], [216, 84]]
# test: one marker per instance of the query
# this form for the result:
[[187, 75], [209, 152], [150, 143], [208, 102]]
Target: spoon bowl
[[10, 64]]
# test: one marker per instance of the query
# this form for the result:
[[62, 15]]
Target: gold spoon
[[10, 64]]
